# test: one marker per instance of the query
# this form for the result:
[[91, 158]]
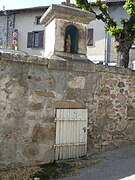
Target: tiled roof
[[31, 9], [115, 0]]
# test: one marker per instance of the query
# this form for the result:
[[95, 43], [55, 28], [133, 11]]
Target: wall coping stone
[[80, 66], [24, 58], [114, 70], [67, 12], [58, 64]]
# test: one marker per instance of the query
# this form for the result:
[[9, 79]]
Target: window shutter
[[41, 39], [30, 40], [90, 37]]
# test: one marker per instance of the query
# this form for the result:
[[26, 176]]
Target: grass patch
[[63, 169], [21, 173], [46, 171]]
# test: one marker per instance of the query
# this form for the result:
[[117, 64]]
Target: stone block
[[71, 65], [132, 89], [113, 96], [130, 111], [111, 82], [69, 105], [121, 84], [102, 81], [77, 82], [122, 125], [105, 91], [45, 93], [121, 98], [50, 81], [41, 134], [37, 106], [71, 95]]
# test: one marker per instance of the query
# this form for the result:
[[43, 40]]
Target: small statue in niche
[[68, 44]]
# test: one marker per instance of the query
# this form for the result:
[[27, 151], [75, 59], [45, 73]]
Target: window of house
[[90, 37], [35, 39], [37, 20]]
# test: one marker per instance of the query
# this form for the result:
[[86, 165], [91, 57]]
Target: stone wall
[[32, 88], [113, 120]]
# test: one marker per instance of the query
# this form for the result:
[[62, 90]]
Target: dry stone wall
[[32, 88]]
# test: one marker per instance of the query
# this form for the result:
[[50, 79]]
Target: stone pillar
[[61, 21]]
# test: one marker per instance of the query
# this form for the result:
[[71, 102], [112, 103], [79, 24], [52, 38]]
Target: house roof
[[115, 0], [44, 8], [110, 2], [31, 9]]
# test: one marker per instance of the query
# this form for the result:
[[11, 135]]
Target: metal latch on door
[[86, 128]]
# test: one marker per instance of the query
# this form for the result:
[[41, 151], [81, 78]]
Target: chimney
[[67, 1]]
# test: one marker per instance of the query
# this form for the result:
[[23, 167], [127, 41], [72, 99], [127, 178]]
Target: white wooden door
[[71, 133]]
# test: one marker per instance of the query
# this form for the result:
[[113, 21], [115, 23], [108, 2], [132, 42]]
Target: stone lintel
[[67, 12], [69, 105]]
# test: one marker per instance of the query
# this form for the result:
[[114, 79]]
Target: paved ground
[[118, 164]]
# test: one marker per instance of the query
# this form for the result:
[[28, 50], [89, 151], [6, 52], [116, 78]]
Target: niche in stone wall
[[71, 39]]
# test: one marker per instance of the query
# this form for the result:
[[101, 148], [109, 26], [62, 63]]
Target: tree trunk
[[122, 49], [123, 58]]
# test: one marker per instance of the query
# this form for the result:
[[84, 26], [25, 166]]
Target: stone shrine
[[66, 31]]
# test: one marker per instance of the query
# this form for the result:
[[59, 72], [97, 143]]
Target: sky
[[17, 4]]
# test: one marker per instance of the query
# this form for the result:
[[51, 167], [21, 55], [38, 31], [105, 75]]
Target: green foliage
[[111, 24], [77, 2], [84, 5], [125, 34], [123, 21], [104, 6], [114, 30], [130, 7], [98, 1]]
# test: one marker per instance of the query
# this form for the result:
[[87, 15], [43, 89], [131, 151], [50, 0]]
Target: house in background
[[30, 33], [100, 47]]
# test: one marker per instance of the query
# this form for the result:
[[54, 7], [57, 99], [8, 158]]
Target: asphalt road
[[118, 164]]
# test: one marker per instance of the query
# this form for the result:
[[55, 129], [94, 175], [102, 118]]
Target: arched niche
[[71, 39]]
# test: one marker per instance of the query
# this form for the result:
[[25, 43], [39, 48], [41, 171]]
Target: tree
[[124, 34]]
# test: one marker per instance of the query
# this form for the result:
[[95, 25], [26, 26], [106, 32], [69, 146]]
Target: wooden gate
[[71, 133]]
